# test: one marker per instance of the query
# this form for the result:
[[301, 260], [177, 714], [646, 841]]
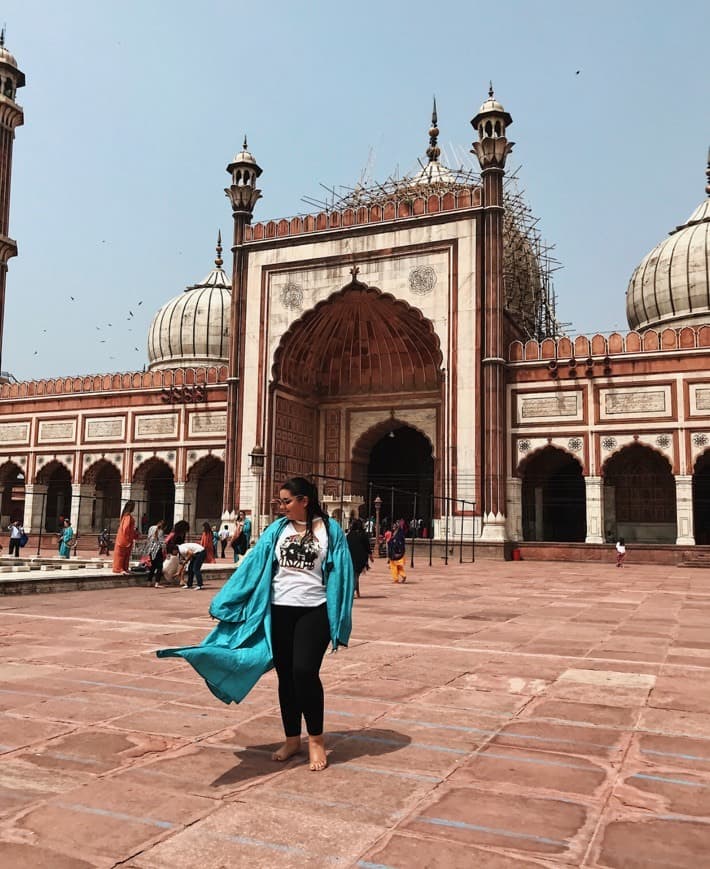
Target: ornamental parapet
[[385, 212], [168, 378], [582, 349]]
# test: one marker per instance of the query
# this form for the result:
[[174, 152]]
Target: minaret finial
[[433, 150], [707, 175], [218, 262], [490, 90], [244, 146], [2, 37]]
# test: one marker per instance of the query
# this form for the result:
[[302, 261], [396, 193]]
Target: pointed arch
[[553, 496]]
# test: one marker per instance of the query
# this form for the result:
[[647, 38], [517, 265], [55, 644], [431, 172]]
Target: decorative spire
[[219, 262], [2, 37], [707, 175], [433, 150], [245, 146], [490, 90]]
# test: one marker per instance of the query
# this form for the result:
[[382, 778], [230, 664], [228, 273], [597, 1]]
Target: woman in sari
[[207, 542], [125, 537], [65, 540]]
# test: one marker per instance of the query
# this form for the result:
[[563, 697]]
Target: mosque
[[400, 345]]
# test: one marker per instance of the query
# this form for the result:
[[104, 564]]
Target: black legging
[[156, 566], [299, 637]]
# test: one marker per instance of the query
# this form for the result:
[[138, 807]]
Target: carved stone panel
[[545, 406], [294, 439], [211, 422], [14, 432], [635, 403], [105, 429], [332, 451], [52, 431], [155, 425], [699, 399]]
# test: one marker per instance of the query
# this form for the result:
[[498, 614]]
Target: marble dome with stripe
[[193, 328]]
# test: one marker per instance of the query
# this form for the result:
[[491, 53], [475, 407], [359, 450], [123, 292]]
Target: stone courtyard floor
[[503, 715]]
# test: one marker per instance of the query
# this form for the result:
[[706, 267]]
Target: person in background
[[246, 530], [155, 548], [238, 540], [224, 536], [144, 524], [16, 531], [65, 542], [192, 556], [125, 538], [207, 543], [359, 546], [395, 553], [104, 542], [620, 552]]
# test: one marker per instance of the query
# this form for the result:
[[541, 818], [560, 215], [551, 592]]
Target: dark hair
[[129, 508], [300, 487], [171, 548], [357, 525], [621, 540], [206, 526]]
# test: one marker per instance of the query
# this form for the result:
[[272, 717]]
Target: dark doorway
[[160, 495], [554, 498], [107, 503], [12, 488], [639, 496], [210, 488], [401, 464], [58, 482], [701, 500]]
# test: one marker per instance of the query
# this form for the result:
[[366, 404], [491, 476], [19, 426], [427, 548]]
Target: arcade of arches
[[96, 502], [638, 497], [387, 353]]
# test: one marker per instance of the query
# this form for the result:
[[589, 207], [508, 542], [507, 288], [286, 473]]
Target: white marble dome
[[193, 328], [671, 285]]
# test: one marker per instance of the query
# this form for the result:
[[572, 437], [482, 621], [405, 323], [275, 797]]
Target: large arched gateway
[[361, 361]]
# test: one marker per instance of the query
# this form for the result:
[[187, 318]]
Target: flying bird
[[35, 353], [135, 348], [72, 298], [578, 72], [140, 303]]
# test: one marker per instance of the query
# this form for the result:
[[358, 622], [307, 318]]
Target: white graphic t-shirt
[[299, 580]]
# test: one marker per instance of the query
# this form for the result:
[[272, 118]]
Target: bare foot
[[288, 749], [316, 753]]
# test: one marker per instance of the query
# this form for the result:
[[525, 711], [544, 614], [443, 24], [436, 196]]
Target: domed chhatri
[[671, 285], [193, 328]]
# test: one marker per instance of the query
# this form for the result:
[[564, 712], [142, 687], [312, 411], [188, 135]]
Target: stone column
[[82, 506], [515, 508], [35, 504], [186, 504], [684, 510], [595, 513]]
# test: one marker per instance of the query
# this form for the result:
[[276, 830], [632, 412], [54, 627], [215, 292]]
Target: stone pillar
[[609, 512], [595, 513], [186, 504], [515, 508], [82, 506], [684, 510], [35, 504]]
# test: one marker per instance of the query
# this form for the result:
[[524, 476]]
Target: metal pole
[[369, 501], [41, 523], [414, 531], [446, 531], [431, 530], [473, 533], [461, 533], [342, 503]]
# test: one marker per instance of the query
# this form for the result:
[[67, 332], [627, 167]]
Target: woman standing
[[156, 553], [359, 546], [66, 540], [290, 597], [207, 543], [238, 540], [125, 537]]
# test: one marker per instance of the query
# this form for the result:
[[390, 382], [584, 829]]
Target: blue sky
[[134, 109]]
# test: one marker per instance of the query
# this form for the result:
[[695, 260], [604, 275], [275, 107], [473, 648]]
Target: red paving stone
[[496, 715]]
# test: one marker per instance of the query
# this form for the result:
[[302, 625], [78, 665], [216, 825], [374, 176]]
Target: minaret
[[11, 116], [492, 148], [243, 194]]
